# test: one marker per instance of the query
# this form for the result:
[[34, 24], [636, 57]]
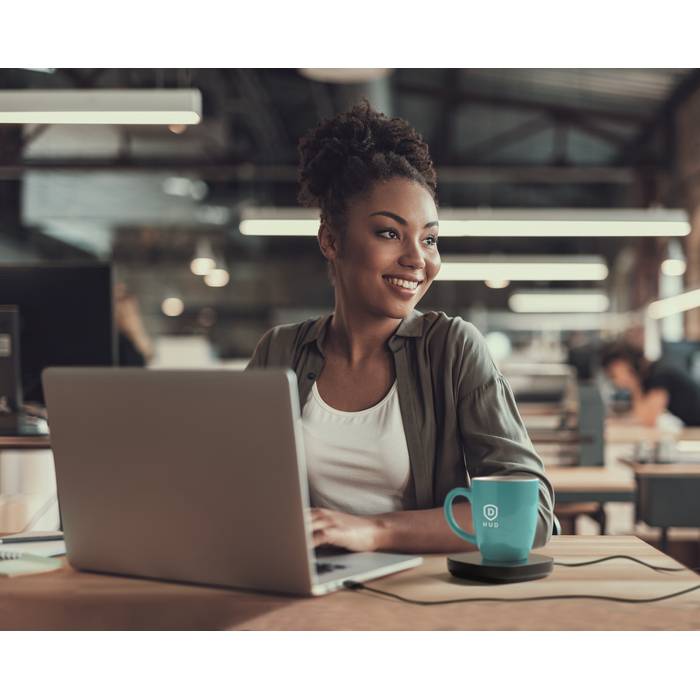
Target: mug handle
[[449, 516]]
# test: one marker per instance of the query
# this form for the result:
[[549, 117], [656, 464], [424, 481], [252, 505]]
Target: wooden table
[[591, 484], [623, 432], [67, 599], [29, 442]]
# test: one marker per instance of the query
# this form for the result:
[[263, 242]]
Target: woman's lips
[[403, 292]]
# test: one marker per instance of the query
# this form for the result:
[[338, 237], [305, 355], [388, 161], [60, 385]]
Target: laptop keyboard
[[326, 567]]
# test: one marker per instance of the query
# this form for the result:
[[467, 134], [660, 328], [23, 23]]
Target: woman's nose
[[412, 256]]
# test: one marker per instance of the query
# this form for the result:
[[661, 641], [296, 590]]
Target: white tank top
[[357, 461]]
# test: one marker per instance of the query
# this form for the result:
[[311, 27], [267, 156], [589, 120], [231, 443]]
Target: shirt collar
[[410, 327]]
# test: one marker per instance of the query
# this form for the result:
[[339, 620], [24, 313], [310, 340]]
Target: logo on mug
[[490, 512]]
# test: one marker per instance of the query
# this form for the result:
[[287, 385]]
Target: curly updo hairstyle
[[346, 155]]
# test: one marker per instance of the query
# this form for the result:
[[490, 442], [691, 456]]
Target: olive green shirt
[[458, 410]]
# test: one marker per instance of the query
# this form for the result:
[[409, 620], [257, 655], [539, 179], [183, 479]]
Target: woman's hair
[[622, 350], [347, 154]]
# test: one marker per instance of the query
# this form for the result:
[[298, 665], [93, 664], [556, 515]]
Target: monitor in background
[[65, 317]]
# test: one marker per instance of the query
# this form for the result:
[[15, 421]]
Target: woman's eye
[[431, 240], [388, 233]]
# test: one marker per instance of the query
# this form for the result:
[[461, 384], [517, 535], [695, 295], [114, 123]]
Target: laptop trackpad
[[344, 566]]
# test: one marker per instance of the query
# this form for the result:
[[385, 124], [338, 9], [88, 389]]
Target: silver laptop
[[191, 475]]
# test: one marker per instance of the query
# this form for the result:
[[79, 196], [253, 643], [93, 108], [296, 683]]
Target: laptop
[[192, 475]]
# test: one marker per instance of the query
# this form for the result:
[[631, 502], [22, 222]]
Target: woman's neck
[[358, 338]]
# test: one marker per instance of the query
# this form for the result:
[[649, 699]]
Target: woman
[[397, 405]]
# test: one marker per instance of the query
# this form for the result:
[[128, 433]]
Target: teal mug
[[504, 513]]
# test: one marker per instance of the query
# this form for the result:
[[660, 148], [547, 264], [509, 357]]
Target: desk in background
[[68, 599], [668, 495], [596, 484], [586, 490]]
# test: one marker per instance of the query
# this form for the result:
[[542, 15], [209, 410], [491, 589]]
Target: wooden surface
[[38, 442], [599, 484], [623, 432], [666, 470], [68, 599]]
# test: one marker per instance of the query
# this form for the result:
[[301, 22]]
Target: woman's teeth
[[402, 283]]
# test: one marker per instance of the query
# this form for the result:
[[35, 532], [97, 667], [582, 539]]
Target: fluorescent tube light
[[520, 268], [531, 223], [674, 305], [345, 75], [133, 106], [541, 228], [559, 302], [279, 227]]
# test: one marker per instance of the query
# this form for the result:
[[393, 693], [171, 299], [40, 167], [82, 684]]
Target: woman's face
[[387, 257]]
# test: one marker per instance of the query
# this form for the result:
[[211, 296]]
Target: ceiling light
[[279, 227], [218, 277], [177, 128], [345, 75], [570, 301], [203, 262], [530, 268], [673, 268], [674, 305], [172, 306], [583, 223], [531, 223], [132, 106], [202, 266], [674, 265], [497, 284]]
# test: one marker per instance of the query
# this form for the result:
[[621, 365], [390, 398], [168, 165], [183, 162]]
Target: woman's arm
[[410, 531], [646, 408]]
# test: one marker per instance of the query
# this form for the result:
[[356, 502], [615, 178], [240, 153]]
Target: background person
[[653, 386]]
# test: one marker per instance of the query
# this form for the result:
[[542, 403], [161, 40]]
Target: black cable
[[357, 586], [625, 556]]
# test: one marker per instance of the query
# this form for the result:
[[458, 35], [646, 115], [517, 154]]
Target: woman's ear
[[328, 242]]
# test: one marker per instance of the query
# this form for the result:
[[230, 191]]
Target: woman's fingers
[[319, 518], [320, 537]]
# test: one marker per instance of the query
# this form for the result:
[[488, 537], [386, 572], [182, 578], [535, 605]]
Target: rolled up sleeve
[[496, 443]]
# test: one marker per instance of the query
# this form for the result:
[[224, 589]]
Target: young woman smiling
[[398, 406]]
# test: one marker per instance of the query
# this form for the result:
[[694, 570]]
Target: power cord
[[357, 586], [625, 556]]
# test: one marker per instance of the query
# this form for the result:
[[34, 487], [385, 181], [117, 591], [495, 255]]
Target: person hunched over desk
[[654, 386], [393, 400]]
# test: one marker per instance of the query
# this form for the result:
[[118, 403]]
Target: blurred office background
[[164, 204]]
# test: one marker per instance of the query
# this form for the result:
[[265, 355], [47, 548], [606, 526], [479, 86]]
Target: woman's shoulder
[[278, 345], [452, 341], [439, 328]]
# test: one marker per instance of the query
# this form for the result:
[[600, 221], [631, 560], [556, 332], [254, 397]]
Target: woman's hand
[[354, 532]]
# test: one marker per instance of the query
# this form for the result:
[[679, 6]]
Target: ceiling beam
[[634, 150], [508, 102], [248, 172], [495, 143]]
